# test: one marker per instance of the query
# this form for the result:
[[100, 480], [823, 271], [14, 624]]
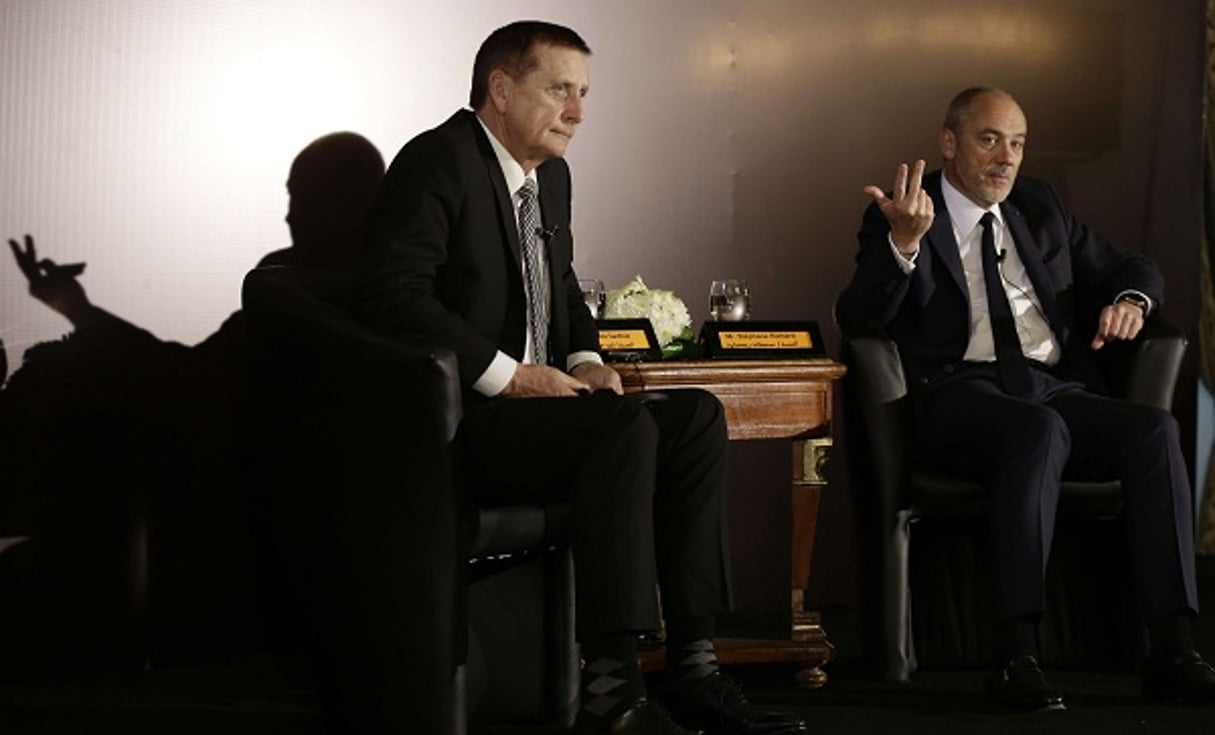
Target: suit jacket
[[442, 260], [927, 313]]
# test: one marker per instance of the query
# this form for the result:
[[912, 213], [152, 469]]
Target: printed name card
[[762, 339], [611, 340], [628, 340], [765, 340]]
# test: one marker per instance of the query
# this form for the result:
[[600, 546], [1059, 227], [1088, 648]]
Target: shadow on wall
[[123, 525]]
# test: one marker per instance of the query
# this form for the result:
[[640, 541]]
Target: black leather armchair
[[900, 504], [422, 610]]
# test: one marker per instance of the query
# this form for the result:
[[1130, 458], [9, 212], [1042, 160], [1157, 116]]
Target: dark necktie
[[534, 272], [1011, 364]]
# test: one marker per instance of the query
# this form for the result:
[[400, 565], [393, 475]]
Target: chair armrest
[[7, 542], [879, 418], [878, 422], [880, 377], [1145, 370], [300, 312]]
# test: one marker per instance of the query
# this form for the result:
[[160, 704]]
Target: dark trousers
[[646, 481], [1023, 448]]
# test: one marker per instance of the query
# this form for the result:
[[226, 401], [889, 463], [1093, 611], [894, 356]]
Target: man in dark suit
[[463, 253], [978, 276]]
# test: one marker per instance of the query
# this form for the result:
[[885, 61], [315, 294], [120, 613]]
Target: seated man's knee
[[630, 420], [698, 412], [1044, 428], [1149, 425]]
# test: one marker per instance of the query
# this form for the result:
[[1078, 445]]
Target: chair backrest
[[300, 313]]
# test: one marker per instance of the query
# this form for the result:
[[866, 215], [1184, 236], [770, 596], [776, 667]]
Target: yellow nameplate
[[761, 340], [765, 340], [611, 340]]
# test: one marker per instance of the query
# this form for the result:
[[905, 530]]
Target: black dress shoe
[[1187, 677], [715, 704], [1020, 684], [642, 718]]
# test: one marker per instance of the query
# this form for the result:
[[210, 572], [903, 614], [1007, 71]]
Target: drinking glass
[[594, 295], [729, 300]]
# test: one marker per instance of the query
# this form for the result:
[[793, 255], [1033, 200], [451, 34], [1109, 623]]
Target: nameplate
[[762, 339], [628, 340]]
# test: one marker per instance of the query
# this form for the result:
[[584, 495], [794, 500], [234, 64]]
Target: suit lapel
[[1031, 253], [549, 203], [940, 236], [549, 200], [502, 197]]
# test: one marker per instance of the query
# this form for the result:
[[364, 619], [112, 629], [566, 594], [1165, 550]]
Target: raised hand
[[53, 284], [909, 210]]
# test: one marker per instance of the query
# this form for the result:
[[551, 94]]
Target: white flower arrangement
[[664, 309]]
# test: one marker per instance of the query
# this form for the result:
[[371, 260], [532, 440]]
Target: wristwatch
[[1137, 299]]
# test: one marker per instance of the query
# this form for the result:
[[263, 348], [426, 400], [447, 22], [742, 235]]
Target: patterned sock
[[611, 676], [695, 661], [690, 651]]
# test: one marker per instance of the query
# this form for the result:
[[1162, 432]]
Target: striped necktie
[[535, 274]]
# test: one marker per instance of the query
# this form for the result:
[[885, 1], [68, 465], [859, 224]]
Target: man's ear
[[500, 88], [949, 144]]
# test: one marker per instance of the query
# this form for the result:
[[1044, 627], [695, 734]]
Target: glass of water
[[729, 300], [594, 296]]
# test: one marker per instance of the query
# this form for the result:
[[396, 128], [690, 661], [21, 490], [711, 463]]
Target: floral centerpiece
[[667, 313]]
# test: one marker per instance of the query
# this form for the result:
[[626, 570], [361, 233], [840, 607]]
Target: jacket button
[[949, 369]]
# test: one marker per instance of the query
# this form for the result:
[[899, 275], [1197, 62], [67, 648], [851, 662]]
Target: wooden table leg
[[807, 646], [809, 459]]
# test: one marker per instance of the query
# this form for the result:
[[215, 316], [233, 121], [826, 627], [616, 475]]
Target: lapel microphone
[[1000, 255], [547, 234]]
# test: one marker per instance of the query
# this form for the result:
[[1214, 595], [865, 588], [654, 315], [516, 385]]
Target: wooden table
[[770, 399]]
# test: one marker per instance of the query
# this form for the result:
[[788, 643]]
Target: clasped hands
[[538, 381], [909, 211]]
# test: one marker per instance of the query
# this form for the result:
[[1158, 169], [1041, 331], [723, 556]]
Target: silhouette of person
[[76, 425], [332, 185], [114, 438]]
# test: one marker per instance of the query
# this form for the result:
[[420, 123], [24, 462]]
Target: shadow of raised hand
[[51, 283]]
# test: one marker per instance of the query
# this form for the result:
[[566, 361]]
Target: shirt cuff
[[495, 378], [905, 263], [1151, 305], [578, 358]]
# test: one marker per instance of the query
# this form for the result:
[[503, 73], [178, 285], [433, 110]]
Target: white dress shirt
[[1038, 342], [502, 368]]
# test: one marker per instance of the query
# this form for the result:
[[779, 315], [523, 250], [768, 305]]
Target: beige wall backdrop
[[152, 139]]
